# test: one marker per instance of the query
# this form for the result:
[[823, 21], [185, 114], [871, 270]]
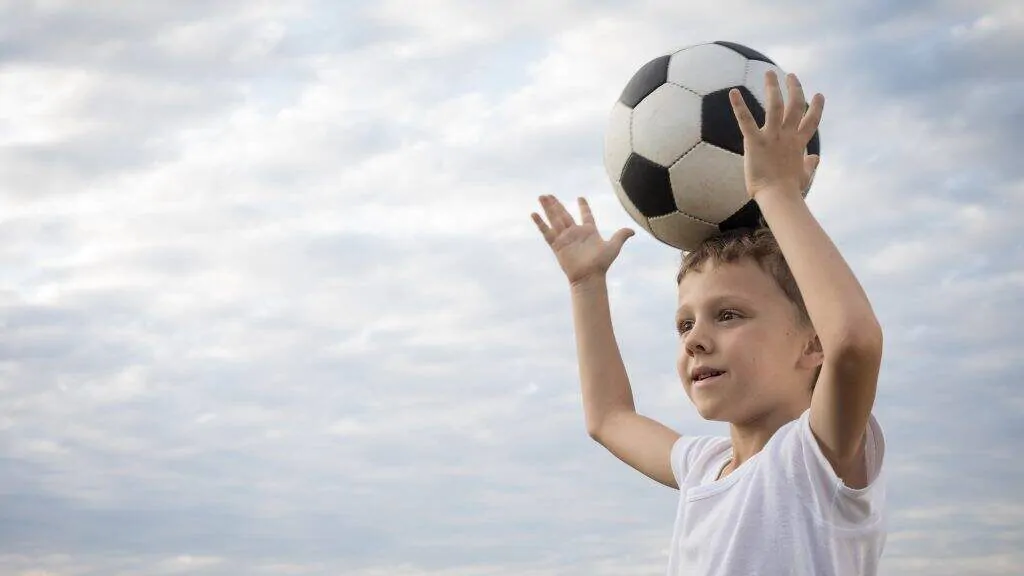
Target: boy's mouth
[[704, 373]]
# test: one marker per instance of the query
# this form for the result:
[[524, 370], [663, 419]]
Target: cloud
[[272, 301]]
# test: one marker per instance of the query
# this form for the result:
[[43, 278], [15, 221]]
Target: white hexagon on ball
[[617, 146], [708, 183], [705, 68], [678, 229], [666, 124]]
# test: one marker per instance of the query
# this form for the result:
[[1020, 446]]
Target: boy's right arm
[[611, 416], [608, 406]]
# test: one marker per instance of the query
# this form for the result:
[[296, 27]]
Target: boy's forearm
[[836, 303], [605, 384]]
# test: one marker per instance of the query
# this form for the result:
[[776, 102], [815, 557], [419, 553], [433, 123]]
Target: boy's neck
[[749, 438]]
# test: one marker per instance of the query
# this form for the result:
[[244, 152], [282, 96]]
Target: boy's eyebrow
[[717, 301]]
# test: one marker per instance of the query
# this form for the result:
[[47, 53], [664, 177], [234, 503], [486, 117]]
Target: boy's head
[[742, 320]]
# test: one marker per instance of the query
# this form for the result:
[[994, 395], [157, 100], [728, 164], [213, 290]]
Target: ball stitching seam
[[686, 214]]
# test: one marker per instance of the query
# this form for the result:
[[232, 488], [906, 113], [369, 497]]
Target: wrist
[[589, 284], [776, 193]]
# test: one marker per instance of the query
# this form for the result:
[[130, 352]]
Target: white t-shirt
[[782, 512]]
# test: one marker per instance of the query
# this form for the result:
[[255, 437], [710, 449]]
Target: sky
[[272, 302]]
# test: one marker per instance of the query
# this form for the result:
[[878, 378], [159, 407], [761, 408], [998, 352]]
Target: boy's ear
[[813, 355]]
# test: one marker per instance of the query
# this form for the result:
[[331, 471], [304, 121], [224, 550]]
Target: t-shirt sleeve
[[681, 450], [692, 454], [841, 506]]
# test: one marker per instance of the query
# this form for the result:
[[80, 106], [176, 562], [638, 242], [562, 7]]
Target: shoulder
[[795, 452], [796, 440], [693, 456], [872, 456]]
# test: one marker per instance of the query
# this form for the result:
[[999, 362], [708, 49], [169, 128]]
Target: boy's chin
[[716, 407], [712, 411]]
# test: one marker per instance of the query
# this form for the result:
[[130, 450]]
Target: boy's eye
[[684, 326], [728, 315]]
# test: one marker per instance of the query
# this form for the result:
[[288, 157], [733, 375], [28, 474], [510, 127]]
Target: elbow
[[597, 427], [860, 341], [600, 417], [594, 429]]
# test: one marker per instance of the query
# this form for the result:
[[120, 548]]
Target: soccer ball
[[673, 149]]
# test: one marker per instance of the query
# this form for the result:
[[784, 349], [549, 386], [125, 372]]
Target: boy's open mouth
[[704, 373]]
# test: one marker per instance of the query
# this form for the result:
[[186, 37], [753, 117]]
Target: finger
[[811, 120], [797, 105], [545, 230], [774, 105], [586, 215], [564, 219], [747, 124], [620, 237], [550, 205]]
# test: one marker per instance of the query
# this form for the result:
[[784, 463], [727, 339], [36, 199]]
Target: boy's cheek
[[682, 370]]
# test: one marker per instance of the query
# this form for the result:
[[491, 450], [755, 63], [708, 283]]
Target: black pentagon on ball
[[718, 124], [748, 216], [648, 186], [645, 80], [745, 51]]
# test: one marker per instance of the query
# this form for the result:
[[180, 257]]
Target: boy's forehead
[[738, 280]]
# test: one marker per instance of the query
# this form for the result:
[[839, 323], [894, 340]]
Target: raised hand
[[775, 155], [579, 248]]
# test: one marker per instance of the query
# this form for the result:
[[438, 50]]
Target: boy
[[778, 339]]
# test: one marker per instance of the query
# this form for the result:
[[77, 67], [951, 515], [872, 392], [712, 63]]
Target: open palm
[[578, 247]]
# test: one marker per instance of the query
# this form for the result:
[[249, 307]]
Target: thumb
[[810, 168], [620, 237], [811, 162]]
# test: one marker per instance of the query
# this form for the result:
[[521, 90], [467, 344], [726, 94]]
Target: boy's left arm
[[850, 336]]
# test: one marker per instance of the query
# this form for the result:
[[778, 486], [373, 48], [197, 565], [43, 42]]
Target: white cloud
[[295, 286], [47, 102]]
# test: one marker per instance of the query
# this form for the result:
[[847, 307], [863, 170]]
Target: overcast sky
[[272, 303]]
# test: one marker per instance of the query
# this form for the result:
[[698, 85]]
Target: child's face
[[736, 321]]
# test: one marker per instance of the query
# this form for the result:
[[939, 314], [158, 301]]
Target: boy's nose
[[697, 341]]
